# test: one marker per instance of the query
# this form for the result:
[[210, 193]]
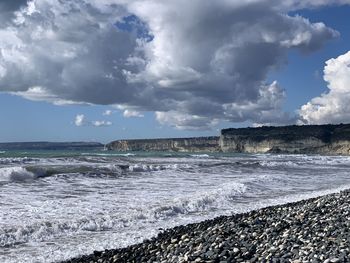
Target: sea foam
[[16, 174]]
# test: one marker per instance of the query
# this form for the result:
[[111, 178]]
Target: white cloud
[[42, 94], [266, 109], [184, 121], [132, 113], [79, 120], [194, 62], [301, 4], [107, 113], [332, 106], [101, 123]]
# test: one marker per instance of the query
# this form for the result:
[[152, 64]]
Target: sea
[[55, 205]]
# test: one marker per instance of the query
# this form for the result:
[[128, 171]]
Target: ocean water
[[57, 205]]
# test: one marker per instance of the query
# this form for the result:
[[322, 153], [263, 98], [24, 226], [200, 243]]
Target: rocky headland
[[313, 230], [313, 139]]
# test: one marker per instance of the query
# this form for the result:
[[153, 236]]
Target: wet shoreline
[[312, 230]]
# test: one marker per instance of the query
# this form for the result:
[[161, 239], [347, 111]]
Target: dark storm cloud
[[7, 8], [11, 5]]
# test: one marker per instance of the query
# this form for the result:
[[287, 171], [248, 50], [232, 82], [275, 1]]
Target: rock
[[235, 250]]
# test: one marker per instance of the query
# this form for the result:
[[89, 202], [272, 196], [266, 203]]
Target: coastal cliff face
[[200, 144], [313, 139], [317, 139]]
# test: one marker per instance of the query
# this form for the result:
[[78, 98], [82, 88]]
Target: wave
[[278, 164], [18, 160], [110, 154], [200, 155], [145, 168], [157, 167], [46, 230], [306, 161], [202, 201], [29, 173], [197, 203], [16, 174], [25, 174]]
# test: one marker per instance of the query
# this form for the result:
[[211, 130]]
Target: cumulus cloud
[[332, 106], [79, 120], [300, 4], [132, 113], [184, 121], [42, 94], [194, 63], [107, 113], [101, 123]]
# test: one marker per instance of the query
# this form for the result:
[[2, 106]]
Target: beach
[[312, 230]]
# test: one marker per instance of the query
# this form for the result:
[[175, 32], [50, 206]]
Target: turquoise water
[[99, 152]]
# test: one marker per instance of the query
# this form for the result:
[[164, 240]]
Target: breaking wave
[[145, 168], [32, 172], [46, 230], [199, 202], [202, 201], [17, 174]]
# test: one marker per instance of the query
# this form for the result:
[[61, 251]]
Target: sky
[[102, 70]]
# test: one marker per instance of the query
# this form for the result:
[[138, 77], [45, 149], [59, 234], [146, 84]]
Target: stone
[[235, 250]]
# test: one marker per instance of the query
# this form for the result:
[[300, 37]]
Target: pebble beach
[[312, 230]]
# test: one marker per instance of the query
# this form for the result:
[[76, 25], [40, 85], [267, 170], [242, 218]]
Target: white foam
[[110, 154], [18, 160], [200, 155], [47, 230], [16, 174], [145, 168], [202, 201], [195, 203], [278, 163]]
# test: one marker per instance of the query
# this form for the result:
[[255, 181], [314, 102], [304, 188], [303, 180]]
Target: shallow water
[[57, 205]]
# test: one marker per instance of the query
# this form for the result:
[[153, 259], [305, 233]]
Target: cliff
[[317, 139], [199, 144], [313, 139]]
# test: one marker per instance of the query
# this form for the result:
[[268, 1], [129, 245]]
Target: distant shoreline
[[49, 145]]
